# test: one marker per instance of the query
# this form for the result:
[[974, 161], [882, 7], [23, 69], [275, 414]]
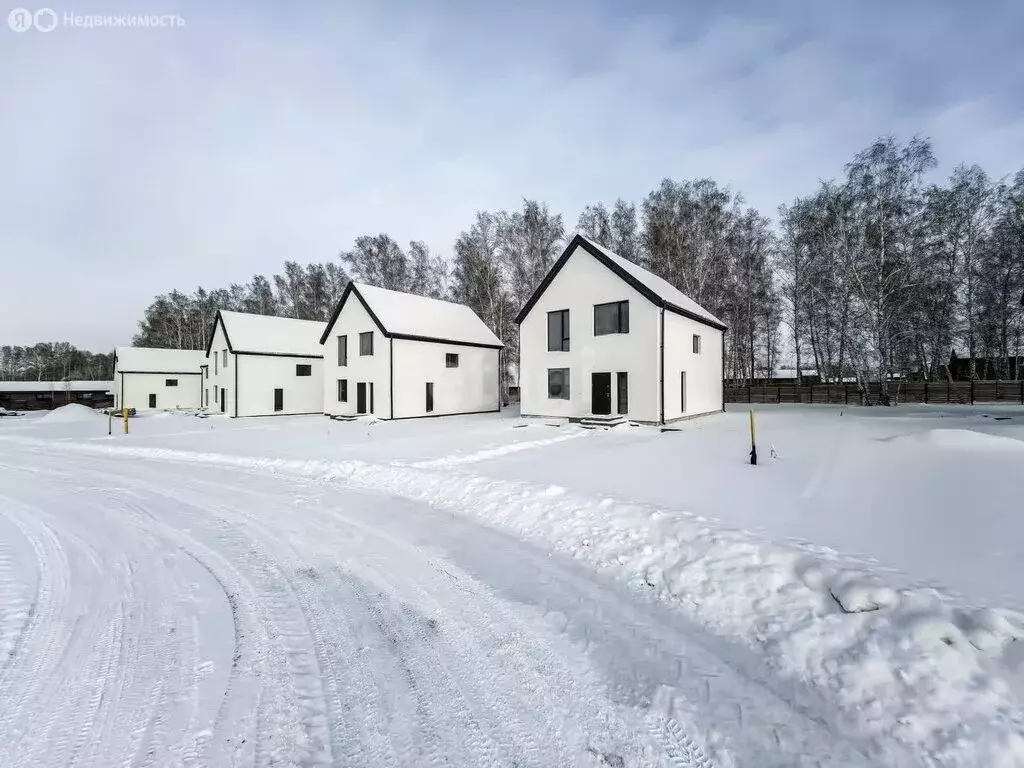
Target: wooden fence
[[938, 392]]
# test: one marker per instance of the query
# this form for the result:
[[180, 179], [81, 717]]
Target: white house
[[260, 365], [401, 356], [146, 378], [602, 336]]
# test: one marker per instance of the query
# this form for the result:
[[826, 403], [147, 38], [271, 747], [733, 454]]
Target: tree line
[[58, 361], [873, 274]]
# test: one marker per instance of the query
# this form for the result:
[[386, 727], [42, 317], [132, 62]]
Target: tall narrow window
[[696, 344], [216, 364], [558, 331], [366, 343], [225, 361], [278, 400], [611, 318], [206, 371], [342, 390], [342, 350], [430, 396], [682, 391], [451, 360], [622, 391]]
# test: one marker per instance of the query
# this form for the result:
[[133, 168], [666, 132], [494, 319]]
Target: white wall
[[470, 388], [138, 387], [260, 375], [221, 376], [703, 371], [583, 282], [353, 320]]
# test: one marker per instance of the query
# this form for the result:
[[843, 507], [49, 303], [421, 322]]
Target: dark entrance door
[[622, 392], [601, 394], [152, 401], [223, 399], [361, 397], [278, 399], [430, 396]]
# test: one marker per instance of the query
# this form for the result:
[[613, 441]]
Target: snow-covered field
[[485, 591]]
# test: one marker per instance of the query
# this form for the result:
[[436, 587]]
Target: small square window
[[366, 343], [342, 390], [303, 369], [170, 382], [696, 344], [558, 383], [451, 360]]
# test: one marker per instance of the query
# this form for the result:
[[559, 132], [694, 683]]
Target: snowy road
[[158, 614]]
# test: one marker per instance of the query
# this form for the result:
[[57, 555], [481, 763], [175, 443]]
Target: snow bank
[[912, 671], [71, 413], [969, 440]]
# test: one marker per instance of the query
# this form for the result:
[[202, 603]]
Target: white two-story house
[[603, 337], [397, 355], [261, 365]]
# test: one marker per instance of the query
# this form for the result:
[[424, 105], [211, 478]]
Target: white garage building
[[402, 356], [261, 365], [601, 336], [157, 379]]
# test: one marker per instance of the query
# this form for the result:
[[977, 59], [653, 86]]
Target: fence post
[[926, 391], [778, 395], [972, 391], [812, 393], [750, 394], [846, 393]]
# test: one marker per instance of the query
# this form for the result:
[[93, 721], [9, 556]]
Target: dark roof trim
[[597, 253], [453, 342], [351, 288], [164, 373], [279, 354], [213, 332]]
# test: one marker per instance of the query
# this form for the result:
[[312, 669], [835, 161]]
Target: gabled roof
[[418, 318], [153, 360], [268, 335], [657, 290]]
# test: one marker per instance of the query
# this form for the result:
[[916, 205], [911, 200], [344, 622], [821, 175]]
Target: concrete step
[[601, 422]]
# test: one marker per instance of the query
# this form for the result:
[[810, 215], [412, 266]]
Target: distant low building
[[47, 395], [156, 379]]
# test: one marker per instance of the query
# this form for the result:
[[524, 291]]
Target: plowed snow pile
[[69, 414]]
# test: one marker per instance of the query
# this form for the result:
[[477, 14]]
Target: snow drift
[[71, 413]]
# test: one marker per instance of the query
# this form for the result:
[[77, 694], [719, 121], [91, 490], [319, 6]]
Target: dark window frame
[[366, 336], [303, 369], [224, 364], [342, 390], [429, 405], [170, 382], [343, 351], [696, 343], [621, 321], [563, 335], [564, 385], [451, 360], [278, 408]]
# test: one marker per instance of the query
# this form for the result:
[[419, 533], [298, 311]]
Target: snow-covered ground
[[296, 591]]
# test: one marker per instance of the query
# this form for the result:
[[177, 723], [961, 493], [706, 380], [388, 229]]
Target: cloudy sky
[[136, 161]]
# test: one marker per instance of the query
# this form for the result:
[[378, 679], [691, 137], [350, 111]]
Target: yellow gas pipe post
[[753, 440], [124, 411]]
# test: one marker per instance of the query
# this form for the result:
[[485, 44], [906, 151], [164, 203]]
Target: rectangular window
[[558, 383], [682, 391], [342, 350], [225, 361], [611, 318], [206, 398], [216, 369], [696, 344], [152, 401], [216, 395], [342, 390], [430, 396], [558, 331], [366, 343], [622, 389], [206, 371], [170, 382], [303, 369], [451, 360]]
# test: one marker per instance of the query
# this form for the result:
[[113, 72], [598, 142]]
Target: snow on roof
[[151, 360], [412, 315], [56, 386], [661, 287], [270, 334]]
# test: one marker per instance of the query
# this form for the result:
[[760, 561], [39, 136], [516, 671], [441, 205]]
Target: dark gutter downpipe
[[391, 373], [723, 371], [236, 382], [661, 372]]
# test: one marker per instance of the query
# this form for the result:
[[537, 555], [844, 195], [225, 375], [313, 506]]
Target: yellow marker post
[[124, 411], [753, 440]]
